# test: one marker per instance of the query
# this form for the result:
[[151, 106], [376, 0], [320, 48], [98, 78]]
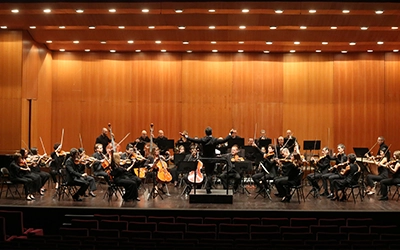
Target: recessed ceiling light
[[3, 27], [61, 27], [121, 27], [112, 50], [344, 51], [240, 51], [103, 42], [158, 42], [242, 27], [297, 43], [324, 43], [211, 11], [185, 42], [47, 10], [318, 51], [370, 51], [62, 50], [292, 51], [241, 42], [130, 41], [152, 27], [87, 50], [278, 11], [272, 27], [92, 27], [378, 12], [395, 50], [380, 42], [395, 28], [112, 10], [333, 27], [211, 27], [145, 10], [214, 51], [79, 11], [245, 10], [352, 43], [189, 51], [32, 27], [268, 42], [163, 50], [345, 11], [49, 41], [266, 51], [76, 42], [213, 42], [138, 50], [179, 11], [14, 11], [303, 27], [364, 28], [312, 11], [181, 27]]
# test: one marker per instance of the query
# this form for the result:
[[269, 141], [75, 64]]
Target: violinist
[[230, 171], [322, 167], [184, 142], [35, 168], [290, 141], [103, 139], [394, 167], [29, 164], [383, 172], [290, 173], [269, 164], [83, 164], [346, 178], [334, 172], [280, 146], [75, 176], [262, 137], [58, 158], [97, 165], [128, 161], [19, 173]]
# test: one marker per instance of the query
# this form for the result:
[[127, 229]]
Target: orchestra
[[277, 164]]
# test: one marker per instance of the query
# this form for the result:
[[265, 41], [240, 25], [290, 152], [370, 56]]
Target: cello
[[197, 173]]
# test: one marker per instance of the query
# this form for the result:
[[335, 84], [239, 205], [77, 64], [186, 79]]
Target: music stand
[[250, 151], [312, 145], [241, 167], [360, 152], [188, 166], [264, 143], [140, 147], [236, 141], [165, 145]]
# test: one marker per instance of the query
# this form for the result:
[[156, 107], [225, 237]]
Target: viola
[[199, 174]]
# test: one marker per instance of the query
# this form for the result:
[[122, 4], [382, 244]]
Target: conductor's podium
[[218, 196]]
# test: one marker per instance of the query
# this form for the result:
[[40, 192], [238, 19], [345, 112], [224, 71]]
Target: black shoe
[[76, 198], [208, 191], [384, 198]]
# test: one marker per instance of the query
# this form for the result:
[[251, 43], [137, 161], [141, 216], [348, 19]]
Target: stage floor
[[176, 201]]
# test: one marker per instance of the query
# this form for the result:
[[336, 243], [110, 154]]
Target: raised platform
[[218, 196]]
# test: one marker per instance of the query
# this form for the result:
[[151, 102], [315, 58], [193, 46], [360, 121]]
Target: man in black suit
[[290, 141], [103, 139], [209, 143], [74, 176]]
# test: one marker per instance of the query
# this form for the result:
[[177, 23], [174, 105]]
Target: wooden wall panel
[[10, 90]]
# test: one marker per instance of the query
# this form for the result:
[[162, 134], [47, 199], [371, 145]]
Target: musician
[[128, 161], [154, 158], [322, 167], [383, 147], [394, 167], [193, 156], [280, 146], [209, 144], [290, 141], [120, 178], [103, 139], [269, 164], [36, 168], [383, 173], [158, 141], [19, 173], [334, 172], [74, 175], [184, 142], [230, 172], [221, 148], [141, 141], [29, 164], [290, 174], [83, 163], [97, 166], [58, 158], [346, 178], [261, 138]]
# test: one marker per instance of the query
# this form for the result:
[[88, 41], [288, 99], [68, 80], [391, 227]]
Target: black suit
[[230, 173], [74, 177], [103, 140]]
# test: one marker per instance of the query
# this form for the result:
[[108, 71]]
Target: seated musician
[[322, 167], [184, 142], [156, 163], [19, 173], [383, 172], [58, 158], [83, 164], [346, 178], [121, 178], [280, 146], [290, 166], [128, 161], [230, 171], [38, 162], [193, 157], [74, 175], [263, 137], [97, 166], [29, 163], [394, 167], [334, 172], [261, 176]]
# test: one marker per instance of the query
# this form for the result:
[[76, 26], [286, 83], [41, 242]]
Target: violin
[[236, 158], [268, 155]]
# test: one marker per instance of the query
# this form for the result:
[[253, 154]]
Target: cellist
[[193, 156]]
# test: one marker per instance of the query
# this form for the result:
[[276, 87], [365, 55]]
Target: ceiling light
[[121, 27], [138, 50], [266, 51], [214, 51], [324, 43], [245, 10], [333, 27], [297, 43], [370, 51], [15, 11], [112, 50], [395, 28], [380, 42], [61, 27], [242, 27], [145, 10], [344, 51], [3, 27], [303, 27], [345, 11], [92, 27], [240, 51], [395, 50], [268, 42], [112, 10], [79, 11], [181, 27], [178, 11], [49, 41], [163, 50], [378, 12], [47, 10], [213, 42], [32, 27], [364, 28], [318, 51], [352, 43], [292, 51], [312, 11], [272, 27], [76, 42], [103, 42], [278, 11], [62, 50], [152, 27], [185, 42], [189, 51], [211, 11], [211, 27], [87, 50], [158, 42], [241, 42], [130, 41]]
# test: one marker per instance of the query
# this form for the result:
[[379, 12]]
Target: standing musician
[[141, 141], [159, 139], [290, 173], [19, 173], [120, 178], [280, 146], [230, 171], [103, 139], [383, 172], [74, 175], [261, 138], [322, 167], [38, 161], [270, 165], [394, 167], [346, 178], [209, 144], [97, 166], [58, 158], [290, 141], [334, 172]]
